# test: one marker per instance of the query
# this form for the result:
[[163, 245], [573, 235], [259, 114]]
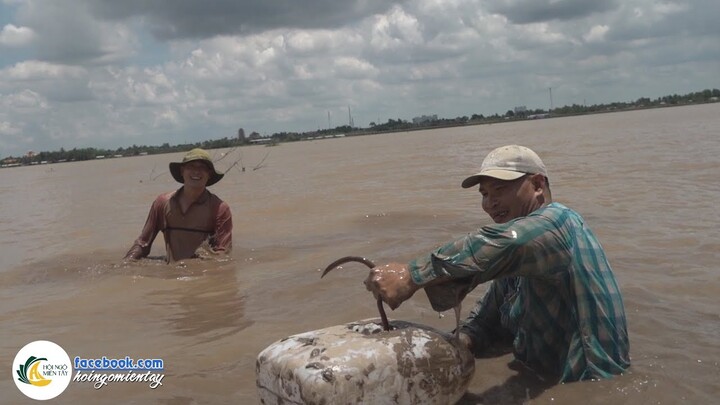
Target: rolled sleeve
[[154, 223], [222, 240]]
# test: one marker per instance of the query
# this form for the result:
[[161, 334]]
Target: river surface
[[647, 182]]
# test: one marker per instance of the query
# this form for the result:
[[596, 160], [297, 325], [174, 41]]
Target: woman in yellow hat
[[188, 216]]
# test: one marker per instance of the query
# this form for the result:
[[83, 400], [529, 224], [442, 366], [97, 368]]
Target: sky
[[110, 73]]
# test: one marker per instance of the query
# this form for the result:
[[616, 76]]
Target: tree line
[[392, 125]]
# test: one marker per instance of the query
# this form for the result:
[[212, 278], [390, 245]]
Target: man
[[552, 290], [189, 216]]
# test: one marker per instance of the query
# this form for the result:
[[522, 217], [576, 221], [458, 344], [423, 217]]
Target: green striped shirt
[[553, 290]]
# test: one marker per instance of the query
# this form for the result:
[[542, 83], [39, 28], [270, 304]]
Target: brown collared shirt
[[207, 219]]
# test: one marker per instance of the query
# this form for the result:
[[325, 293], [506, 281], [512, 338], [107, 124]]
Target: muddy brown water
[[645, 181]]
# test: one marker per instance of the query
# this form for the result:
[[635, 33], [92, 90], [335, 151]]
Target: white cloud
[[12, 36], [304, 43], [167, 117], [668, 8], [39, 70], [596, 33], [353, 68], [65, 32], [108, 73], [395, 30], [26, 100], [7, 128]]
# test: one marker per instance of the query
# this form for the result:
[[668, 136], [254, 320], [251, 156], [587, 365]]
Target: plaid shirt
[[553, 290]]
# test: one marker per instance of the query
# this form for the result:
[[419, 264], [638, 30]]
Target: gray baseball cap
[[508, 162]]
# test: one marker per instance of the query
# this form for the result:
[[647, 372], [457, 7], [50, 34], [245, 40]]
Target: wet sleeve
[[142, 245], [533, 246], [222, 240], [483, 322]]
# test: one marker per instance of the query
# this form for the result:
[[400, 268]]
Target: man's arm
[[155, 220], [532, 246]]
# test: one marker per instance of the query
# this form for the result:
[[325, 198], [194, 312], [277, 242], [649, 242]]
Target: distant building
[[9, 162], [261, 140], [424, 118]]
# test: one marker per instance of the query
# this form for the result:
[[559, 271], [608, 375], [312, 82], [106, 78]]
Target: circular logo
[[42, 370]]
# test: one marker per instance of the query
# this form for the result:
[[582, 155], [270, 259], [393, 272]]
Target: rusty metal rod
[[348, 259]]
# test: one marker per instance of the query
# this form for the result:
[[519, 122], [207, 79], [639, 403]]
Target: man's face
[[195, 174], [506, 200]]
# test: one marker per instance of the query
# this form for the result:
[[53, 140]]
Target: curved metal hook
[[348, 259]]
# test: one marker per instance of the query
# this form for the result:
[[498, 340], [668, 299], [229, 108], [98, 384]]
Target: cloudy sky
[[110, 73]]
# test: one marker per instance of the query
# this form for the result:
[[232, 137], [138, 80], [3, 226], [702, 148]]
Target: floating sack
[[361, 363]]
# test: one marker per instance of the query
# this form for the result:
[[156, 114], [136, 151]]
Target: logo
[[42, 370]]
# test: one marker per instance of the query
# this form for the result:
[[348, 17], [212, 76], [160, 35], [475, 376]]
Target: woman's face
[[195, 174]]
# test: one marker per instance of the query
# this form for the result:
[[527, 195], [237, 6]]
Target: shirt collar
[[201, 200]]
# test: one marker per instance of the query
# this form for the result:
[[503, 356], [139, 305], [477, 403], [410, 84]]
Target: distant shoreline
[[392, 126]]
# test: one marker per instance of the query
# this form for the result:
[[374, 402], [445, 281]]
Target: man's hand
[[392, 283], [465, 340]]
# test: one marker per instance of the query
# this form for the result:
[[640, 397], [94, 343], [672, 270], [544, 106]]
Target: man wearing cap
[[552, 292], [189, 215]]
